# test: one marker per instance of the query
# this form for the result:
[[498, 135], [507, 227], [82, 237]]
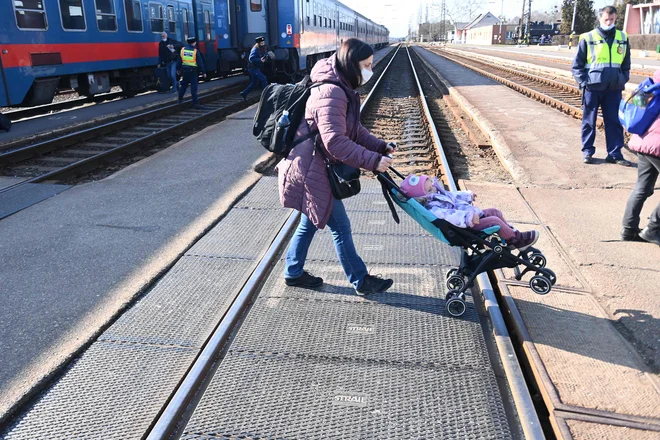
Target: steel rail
[[375, 87], [88, 128], [522, 399], [43, 110], [199, 370], [171, 415], [540, 96], [93, 162], [60, 142], [567, 61]]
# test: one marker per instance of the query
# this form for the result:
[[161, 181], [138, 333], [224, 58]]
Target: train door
[[206, 35], [185, 19], [256, 18]]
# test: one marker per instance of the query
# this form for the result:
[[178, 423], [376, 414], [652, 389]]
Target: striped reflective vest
[[599, 53], [189, 57]]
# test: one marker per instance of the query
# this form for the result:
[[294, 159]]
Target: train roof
[[360, 15]]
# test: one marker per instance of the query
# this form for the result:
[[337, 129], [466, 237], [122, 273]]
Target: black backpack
[[275, 99]]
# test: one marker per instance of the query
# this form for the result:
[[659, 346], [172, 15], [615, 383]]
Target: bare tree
[[464, 10]]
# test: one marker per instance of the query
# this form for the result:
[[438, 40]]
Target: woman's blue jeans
[[340, 227]]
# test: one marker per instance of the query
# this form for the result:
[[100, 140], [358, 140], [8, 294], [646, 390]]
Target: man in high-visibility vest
[[190, 63], [602, 68]]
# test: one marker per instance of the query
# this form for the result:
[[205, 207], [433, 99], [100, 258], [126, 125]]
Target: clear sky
[[396, 14]]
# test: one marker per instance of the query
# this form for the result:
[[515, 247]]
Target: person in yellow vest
[[190, 63], [602, 68]]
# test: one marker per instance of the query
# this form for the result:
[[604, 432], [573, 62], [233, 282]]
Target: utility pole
[[521, 23], [528, 17], [574, 12], [443, 30]]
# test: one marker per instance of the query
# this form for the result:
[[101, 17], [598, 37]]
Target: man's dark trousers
[[190, 76], [608, 101]]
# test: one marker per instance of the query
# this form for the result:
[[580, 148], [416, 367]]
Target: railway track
[[396, 110], [567, 62], [73, 155], [559, 95], [65, 104]]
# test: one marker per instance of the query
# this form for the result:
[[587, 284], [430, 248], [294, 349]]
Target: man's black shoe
[[622, 162], [587, 159], [650, 236], [180, 101], [243, 96], [373, 284], [306, 280], [631, 235]]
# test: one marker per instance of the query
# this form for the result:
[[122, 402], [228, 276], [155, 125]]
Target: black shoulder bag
[[344, 179]]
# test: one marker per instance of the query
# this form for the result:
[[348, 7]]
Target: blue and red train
[[92, 45]]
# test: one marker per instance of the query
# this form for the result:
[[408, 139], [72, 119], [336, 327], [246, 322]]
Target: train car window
[[314, 19], [255, 5], [133, 10], [171, 19], [72, 15], [186, 23], [207, 24], [30, 14], [106, 18], [325, 22], [156, 18], [334, 23]]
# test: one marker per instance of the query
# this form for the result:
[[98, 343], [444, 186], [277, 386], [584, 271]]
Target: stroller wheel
[[553, 277], [540, 284], [452, 272], [456, 306], [454, 293], [537, 259], [455, 282]]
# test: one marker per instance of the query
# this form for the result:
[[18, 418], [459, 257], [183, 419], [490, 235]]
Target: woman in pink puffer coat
[[647, 147], [334, 110]]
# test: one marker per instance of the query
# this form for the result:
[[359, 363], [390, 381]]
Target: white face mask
[[607, 28], [163, 39], [366, 75]]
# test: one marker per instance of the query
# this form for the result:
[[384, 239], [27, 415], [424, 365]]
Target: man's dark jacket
[[165, 56], [610, 78]]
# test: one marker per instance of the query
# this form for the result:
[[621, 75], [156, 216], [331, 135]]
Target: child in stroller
[[456, 207], [482, 250]]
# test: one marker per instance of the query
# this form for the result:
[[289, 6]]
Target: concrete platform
[[73, 261], [593, 340]]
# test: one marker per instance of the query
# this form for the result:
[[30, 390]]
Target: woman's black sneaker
[[373, 284], [631, 235], [306, 280]]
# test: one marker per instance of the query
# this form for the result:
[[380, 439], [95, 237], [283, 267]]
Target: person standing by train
[[259, 55], [190, 64], [168, 54], [602, 68]]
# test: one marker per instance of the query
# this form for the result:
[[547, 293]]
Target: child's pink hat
[[413, 186]]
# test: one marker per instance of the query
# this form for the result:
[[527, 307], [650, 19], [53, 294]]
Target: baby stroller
[[482, 251]]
